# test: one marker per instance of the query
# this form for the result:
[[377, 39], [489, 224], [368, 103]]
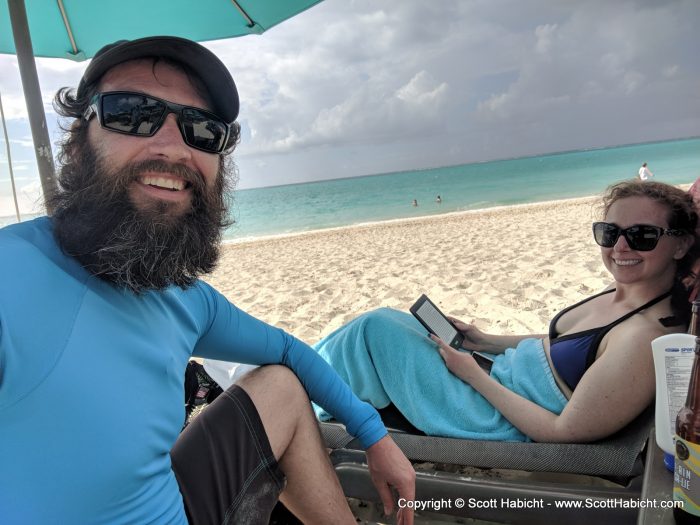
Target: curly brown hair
[[682, 215]]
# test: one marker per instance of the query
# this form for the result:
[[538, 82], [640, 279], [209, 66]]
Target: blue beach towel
[[386, 357]]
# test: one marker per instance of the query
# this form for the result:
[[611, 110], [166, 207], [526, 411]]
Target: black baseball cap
[[205, 64]]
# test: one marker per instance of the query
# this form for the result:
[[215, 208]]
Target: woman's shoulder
[[662, 318], [645, 326]]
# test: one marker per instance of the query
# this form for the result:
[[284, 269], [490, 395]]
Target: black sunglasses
[[640, 237], [143, 115]]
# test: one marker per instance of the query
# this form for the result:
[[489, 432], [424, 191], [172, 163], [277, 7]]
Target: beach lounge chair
[[504, 478], [590, 475]]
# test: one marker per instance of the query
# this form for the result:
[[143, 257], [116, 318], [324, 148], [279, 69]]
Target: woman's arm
[[475, 339], [614, 390]]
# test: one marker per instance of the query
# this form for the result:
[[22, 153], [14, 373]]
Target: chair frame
[[501, 478]]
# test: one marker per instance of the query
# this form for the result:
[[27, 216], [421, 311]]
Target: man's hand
[[388, 468]]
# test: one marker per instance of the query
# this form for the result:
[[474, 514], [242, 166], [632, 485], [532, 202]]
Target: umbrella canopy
[[77, 29]]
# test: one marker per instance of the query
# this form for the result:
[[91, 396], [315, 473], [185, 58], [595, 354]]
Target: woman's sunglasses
[[143, 115], [640, 237]]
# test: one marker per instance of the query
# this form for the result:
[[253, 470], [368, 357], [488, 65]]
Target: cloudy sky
[[354, 87]]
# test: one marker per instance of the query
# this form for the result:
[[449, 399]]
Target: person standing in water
[[645, 173]]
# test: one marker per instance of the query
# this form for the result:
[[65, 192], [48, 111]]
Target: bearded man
[[101, 308]]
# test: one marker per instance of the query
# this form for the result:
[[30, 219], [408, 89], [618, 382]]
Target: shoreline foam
[[408, 219]]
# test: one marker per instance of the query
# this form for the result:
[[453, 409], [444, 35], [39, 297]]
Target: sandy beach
[[507, 269]]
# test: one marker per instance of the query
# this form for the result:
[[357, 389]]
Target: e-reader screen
[[435, 322]]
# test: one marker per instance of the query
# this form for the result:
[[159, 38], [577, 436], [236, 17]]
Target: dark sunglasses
[[143, 115], [640, 237]]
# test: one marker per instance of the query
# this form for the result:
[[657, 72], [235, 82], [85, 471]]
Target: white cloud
[[421, 90], [671, 71], [13, 106], [631, 81], [404, 112], [25, 142], [29, 199], [497, 104], [583, 64], [544, 35]]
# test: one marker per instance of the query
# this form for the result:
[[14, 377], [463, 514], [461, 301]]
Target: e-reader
[[435, 321]]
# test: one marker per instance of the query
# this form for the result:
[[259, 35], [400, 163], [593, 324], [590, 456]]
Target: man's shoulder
[[30, 248], [200, 293], [196, 293], [27, 231], [28, 235]]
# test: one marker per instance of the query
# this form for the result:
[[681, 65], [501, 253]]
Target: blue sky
[[357, 87]]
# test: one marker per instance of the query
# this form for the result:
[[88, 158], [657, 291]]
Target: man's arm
[[234, 335]]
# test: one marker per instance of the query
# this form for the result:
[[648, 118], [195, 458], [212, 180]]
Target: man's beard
[[140, 249]]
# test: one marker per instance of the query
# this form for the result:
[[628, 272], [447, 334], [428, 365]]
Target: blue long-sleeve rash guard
[[91, 384]]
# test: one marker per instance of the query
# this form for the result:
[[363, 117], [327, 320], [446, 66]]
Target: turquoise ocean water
[[340, 202], [309, 206]]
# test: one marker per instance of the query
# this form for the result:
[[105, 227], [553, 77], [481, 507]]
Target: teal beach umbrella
[[77, 29]]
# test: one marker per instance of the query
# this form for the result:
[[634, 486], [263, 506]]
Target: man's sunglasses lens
[[202, 131], [136, 114], [642, 238], [133, 114]]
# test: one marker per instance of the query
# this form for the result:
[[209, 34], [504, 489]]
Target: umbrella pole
[[9, 159], [32, 95]]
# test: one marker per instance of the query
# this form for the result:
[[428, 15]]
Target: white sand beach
[[508, 269]]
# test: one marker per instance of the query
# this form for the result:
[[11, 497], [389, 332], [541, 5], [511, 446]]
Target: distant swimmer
[[438, 199], [414, 203], [645, 173]]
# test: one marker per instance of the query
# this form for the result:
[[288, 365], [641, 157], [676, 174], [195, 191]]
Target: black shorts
[[224, 464]]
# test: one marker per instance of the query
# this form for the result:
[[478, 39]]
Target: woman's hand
[[459, 363], [474, 339]]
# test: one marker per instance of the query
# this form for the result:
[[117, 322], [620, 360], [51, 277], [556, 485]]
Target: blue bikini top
[[573, 354]]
